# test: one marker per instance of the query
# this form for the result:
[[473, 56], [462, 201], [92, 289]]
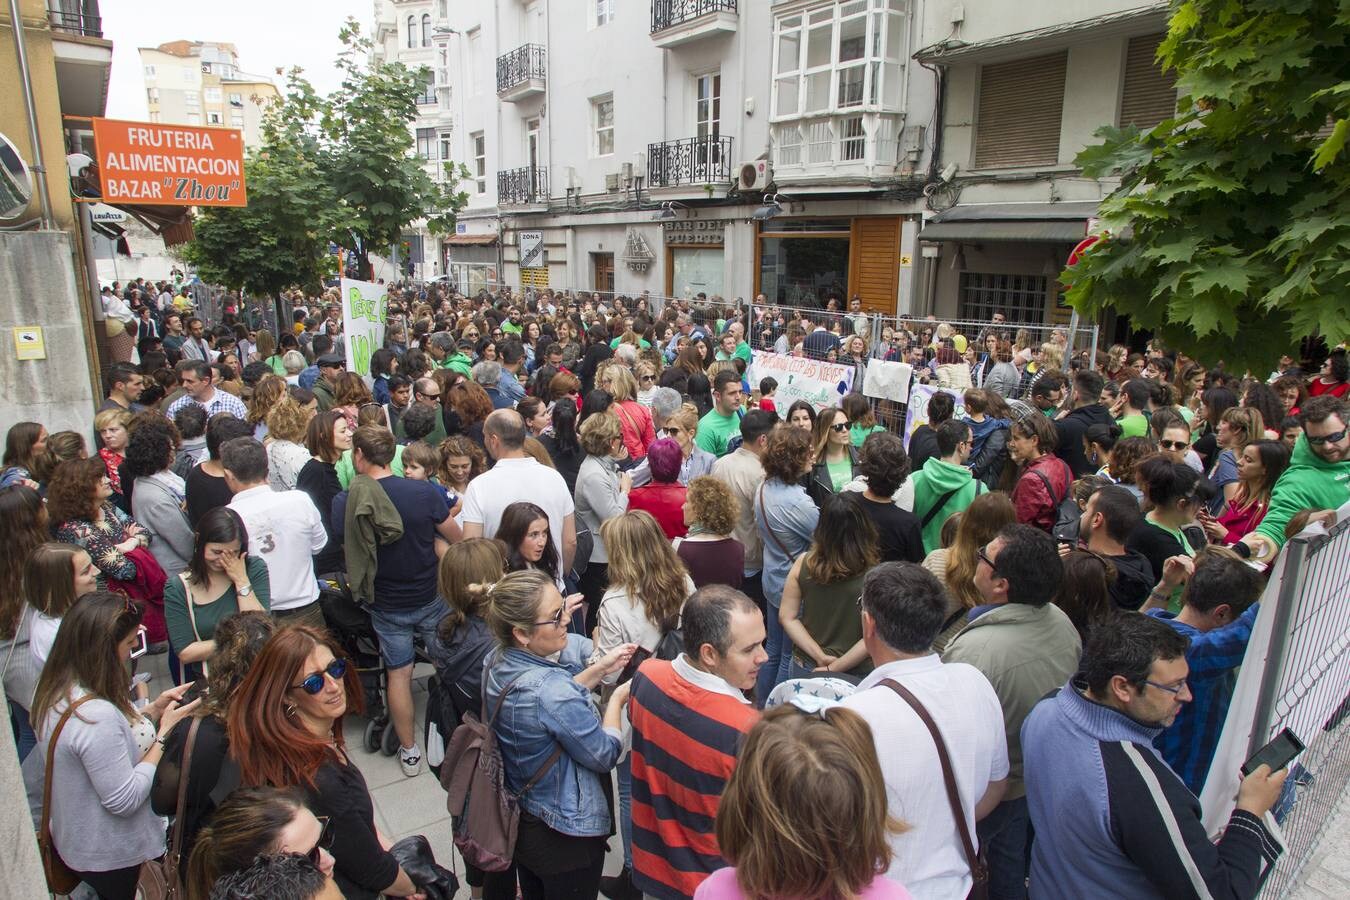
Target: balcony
[[676, 22], [525, 186], [689, 161], [521, 73], [83, 56], [836, 148], [77, 18]]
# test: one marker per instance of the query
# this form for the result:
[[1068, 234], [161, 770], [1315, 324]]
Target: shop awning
[[1126, 23], [1032, 222], [470, 240]]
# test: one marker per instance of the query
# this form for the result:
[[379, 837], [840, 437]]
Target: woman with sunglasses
[[565, 818], [836, 459], [253, 822], [285, 730], [105, 756], [239, 639], [682, 428]]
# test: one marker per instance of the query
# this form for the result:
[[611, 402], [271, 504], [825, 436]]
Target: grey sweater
[[157, 503], [101, 818]]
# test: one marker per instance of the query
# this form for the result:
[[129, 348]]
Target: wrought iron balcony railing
[[83, 20], [696, 160], [520, 65], [669, 13], [528, 184]]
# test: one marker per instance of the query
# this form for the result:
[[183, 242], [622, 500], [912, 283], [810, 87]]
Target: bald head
[[507, 426], [427, 389]]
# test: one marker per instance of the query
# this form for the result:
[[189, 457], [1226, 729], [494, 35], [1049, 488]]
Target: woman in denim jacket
[[549, 733]]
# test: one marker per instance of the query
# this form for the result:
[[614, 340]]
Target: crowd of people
[[761, 648]]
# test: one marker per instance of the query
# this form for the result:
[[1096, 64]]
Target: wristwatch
[[244, 591]]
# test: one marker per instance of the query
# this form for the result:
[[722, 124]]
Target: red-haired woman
[[285, 730]]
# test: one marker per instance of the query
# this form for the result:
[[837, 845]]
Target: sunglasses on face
[[557, 617], [839, 427], [1318, 441], [312, 684], [1173, 445], [325, 842]]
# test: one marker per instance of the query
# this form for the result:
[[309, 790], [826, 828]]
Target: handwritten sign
[[817, 382], [916, 413], [364, 313], [170, 165]]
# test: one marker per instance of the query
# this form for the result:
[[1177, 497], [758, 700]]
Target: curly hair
[[73, 492], [714, 506], [287, 420], [787, 454], [460, 445], [266, 393], [1126, 456], [239, 639], [470, 401], [151, 447]]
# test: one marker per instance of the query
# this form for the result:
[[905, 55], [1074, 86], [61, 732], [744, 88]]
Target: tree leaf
[[1330, 148]]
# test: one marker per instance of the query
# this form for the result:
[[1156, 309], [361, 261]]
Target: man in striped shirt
[[689, 716]]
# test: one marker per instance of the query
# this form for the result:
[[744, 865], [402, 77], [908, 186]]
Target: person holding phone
[[105, 754], [1111, 817]]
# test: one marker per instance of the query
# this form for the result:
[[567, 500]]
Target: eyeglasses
[[1172, 689], [672, 431], [647, 377], [312, 684], [557, 619], [435, 396], [1173, 445], [985, 558], [839, 427], [1318, 441]]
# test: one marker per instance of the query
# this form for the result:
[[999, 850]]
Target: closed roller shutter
[[1019, 116], [876, 262], [1149, 94]]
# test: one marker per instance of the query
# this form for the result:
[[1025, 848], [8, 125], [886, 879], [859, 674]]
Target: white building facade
[[776, 147], [200, 83]]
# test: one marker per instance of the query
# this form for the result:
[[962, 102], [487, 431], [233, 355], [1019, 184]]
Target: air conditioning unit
[[573, 179], [754, 175], [613, 181]]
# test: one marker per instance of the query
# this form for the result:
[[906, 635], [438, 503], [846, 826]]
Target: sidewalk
[[1327, 875]]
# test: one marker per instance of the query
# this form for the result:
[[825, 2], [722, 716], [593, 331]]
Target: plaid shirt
[[1189, 743]]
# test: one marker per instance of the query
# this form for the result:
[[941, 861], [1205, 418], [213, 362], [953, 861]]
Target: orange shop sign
[[170, 165]]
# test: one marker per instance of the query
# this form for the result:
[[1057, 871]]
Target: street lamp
[[773, 205], [668, 210]]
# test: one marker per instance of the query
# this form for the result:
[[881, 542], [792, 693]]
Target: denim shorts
[[396, 629]]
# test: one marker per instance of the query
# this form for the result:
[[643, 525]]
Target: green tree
[[1229, 228]]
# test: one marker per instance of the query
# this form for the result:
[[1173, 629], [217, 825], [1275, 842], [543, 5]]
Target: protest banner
[[364, 308], [887, 380], [917, 412], [816, 381]]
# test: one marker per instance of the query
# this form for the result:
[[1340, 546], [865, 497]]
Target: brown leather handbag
[[60, 878]]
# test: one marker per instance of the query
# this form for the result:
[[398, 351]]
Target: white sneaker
[[411, 760]]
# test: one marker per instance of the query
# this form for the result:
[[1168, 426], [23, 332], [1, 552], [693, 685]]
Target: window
[[426, 143], [708, 105], [426, 29], [604, 12], [428, 95], [475, 59], [194, 118], [154, 116], [192, 99], [213, 118], [1149, 94], [152, 94], [1018, 120], [412, 32], [237, 119], [446, 152], [236, 99], [1020, 297], [479, 161], [211, 94], [602, 125], [841, 56], [853, 142], [149, 71]]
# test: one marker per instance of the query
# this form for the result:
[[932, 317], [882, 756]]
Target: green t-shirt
[[208, 616], [858, 433], [715, 429], [1133, 426], [841, 472], [346, 470]]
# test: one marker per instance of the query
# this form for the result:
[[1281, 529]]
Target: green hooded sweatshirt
[[459, 362], [1310, 482], [931, 482]]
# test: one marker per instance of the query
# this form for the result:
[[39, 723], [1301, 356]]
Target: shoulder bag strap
[[977, 866], [491, 724], [767, 527], [192, 614], [937, 507], [1049, 488], [23, 614], [44, 830], [176, 835]]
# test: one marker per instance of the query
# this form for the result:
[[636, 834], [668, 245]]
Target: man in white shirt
[[518, 476], [903, 608], [195, 377], [283, 528], [742, 471]]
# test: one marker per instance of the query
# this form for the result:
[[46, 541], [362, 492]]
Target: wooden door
[[602, 270], [874, 271]]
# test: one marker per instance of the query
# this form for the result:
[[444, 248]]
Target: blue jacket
[[787, 522], [547, 707]]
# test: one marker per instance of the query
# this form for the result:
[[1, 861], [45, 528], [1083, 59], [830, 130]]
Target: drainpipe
[[38, 167]]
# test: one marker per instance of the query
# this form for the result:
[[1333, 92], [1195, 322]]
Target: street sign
[[29, 342], [531, 249], [169, 165]]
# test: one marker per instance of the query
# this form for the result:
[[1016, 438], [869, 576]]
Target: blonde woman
[[1238, 427], [287, 423], [602, 493], [987, 515], [805, 813], [682, 428], [266, 393], [638, 432]]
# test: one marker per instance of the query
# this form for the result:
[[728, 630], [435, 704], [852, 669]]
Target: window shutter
[[1019, 116], [875, 272], [1149, 94]]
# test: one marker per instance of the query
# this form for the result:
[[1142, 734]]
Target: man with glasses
[[1318, 476], [1026, 646], [1111, 819], [944, 485]]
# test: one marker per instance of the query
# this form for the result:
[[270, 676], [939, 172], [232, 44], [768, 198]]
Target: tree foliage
[[337, 168], [1229, 228]]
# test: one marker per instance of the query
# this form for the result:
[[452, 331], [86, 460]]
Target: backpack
[[485, 814], [1067, 512], [671, 644]]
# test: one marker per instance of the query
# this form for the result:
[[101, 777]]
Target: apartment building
[[201, 83]]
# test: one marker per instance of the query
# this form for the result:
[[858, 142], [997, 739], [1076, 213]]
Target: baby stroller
[[350, 624]]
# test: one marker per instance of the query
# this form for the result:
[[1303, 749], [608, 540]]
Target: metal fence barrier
[[1296, 675]]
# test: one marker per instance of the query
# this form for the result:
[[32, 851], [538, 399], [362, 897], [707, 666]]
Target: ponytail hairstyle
[[467, 573], [247, 824], [513, 603]]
